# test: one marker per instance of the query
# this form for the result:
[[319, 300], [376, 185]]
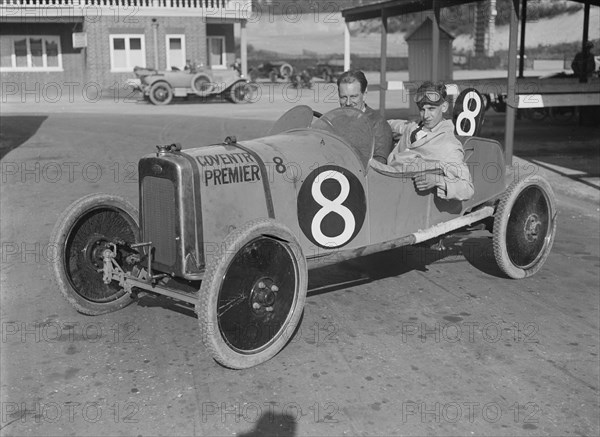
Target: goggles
[[429, 97]]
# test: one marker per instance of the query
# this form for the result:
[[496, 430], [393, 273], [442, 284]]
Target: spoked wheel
[[242, 92], [80, 236], [161, 93], [524, 227], [252, 295]]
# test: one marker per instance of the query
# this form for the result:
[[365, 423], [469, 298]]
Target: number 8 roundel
[[469, 113], [331, 206]]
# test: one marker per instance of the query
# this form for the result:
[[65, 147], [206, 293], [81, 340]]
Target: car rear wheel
[[82, 233], [252, 295], [242, 92], [161, 93], [524, 227], [286, 71]]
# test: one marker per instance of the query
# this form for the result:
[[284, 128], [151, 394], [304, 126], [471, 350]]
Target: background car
[[160, 87], [273, 70]]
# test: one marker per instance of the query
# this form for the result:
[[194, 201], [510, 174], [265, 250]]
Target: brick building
[[95, 44]]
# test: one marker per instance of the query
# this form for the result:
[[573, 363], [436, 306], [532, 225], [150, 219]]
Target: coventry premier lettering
[[229, 168]]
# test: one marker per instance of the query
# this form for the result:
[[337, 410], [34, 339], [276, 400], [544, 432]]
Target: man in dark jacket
[[352, 88]]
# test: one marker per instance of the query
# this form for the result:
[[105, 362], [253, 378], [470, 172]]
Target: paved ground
[[413, 342]]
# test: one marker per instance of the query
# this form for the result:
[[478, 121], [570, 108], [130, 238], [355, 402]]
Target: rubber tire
[[286, 71], [157, 86], [241, 87], [211, 285], [486, 101], [202, 85], [58, 239], [501, 221]]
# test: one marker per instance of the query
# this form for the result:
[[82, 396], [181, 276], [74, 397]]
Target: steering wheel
[[318, 115]]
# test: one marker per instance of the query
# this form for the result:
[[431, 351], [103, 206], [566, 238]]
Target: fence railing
[[171, 4]]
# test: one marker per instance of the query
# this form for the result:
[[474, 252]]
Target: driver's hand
[[427, 181]]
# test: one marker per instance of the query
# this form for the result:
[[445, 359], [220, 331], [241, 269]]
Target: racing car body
[[232, 228], [160, 87]]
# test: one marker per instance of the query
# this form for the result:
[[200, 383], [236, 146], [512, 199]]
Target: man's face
[[350, 95], [433, 114]]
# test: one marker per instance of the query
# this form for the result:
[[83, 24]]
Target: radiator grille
[[159, 217]]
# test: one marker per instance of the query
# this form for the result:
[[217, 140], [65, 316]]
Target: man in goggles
[[431, 144]]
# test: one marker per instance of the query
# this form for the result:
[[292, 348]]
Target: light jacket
[[435, 149]]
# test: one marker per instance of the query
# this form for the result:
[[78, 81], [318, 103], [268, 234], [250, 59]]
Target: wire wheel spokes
[[85, 243], [528, 227], [257, 295]]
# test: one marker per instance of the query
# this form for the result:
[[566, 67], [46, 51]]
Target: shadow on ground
[[477, 250], [15, 130]]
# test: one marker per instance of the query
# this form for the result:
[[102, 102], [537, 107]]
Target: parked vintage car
[[160, 87], [273, 70], [232, 228]]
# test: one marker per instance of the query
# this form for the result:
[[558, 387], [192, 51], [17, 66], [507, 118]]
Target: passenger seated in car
[[431, 145]]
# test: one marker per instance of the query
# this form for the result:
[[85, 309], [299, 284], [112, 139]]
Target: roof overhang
[[392, 8]]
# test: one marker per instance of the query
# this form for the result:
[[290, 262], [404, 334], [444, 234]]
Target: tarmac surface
[[405, 342]]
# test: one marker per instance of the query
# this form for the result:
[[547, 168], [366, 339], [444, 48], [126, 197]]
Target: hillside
[[322, 33]]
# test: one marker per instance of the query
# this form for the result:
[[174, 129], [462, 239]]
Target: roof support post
[[435, 38], [584, 40], [244, 48], [522, 45], [511, 101], [347, 46], [383, 67]]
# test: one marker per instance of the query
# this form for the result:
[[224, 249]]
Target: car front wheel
[[252, 295], [87, 228], [161, 93]]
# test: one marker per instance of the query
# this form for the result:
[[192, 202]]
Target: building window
[[216, 52], [30, 53], [175, 51], [126, 52]]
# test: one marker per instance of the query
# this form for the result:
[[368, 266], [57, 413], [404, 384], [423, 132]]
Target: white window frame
[[127, 37], [167, 38], [30, 67], [222, 66]]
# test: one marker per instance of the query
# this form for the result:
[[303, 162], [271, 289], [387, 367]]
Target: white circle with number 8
[[469, 114], [332, 206]]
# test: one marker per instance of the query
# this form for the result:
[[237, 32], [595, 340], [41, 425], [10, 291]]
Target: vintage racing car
[[160, 87], [232, 228]]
